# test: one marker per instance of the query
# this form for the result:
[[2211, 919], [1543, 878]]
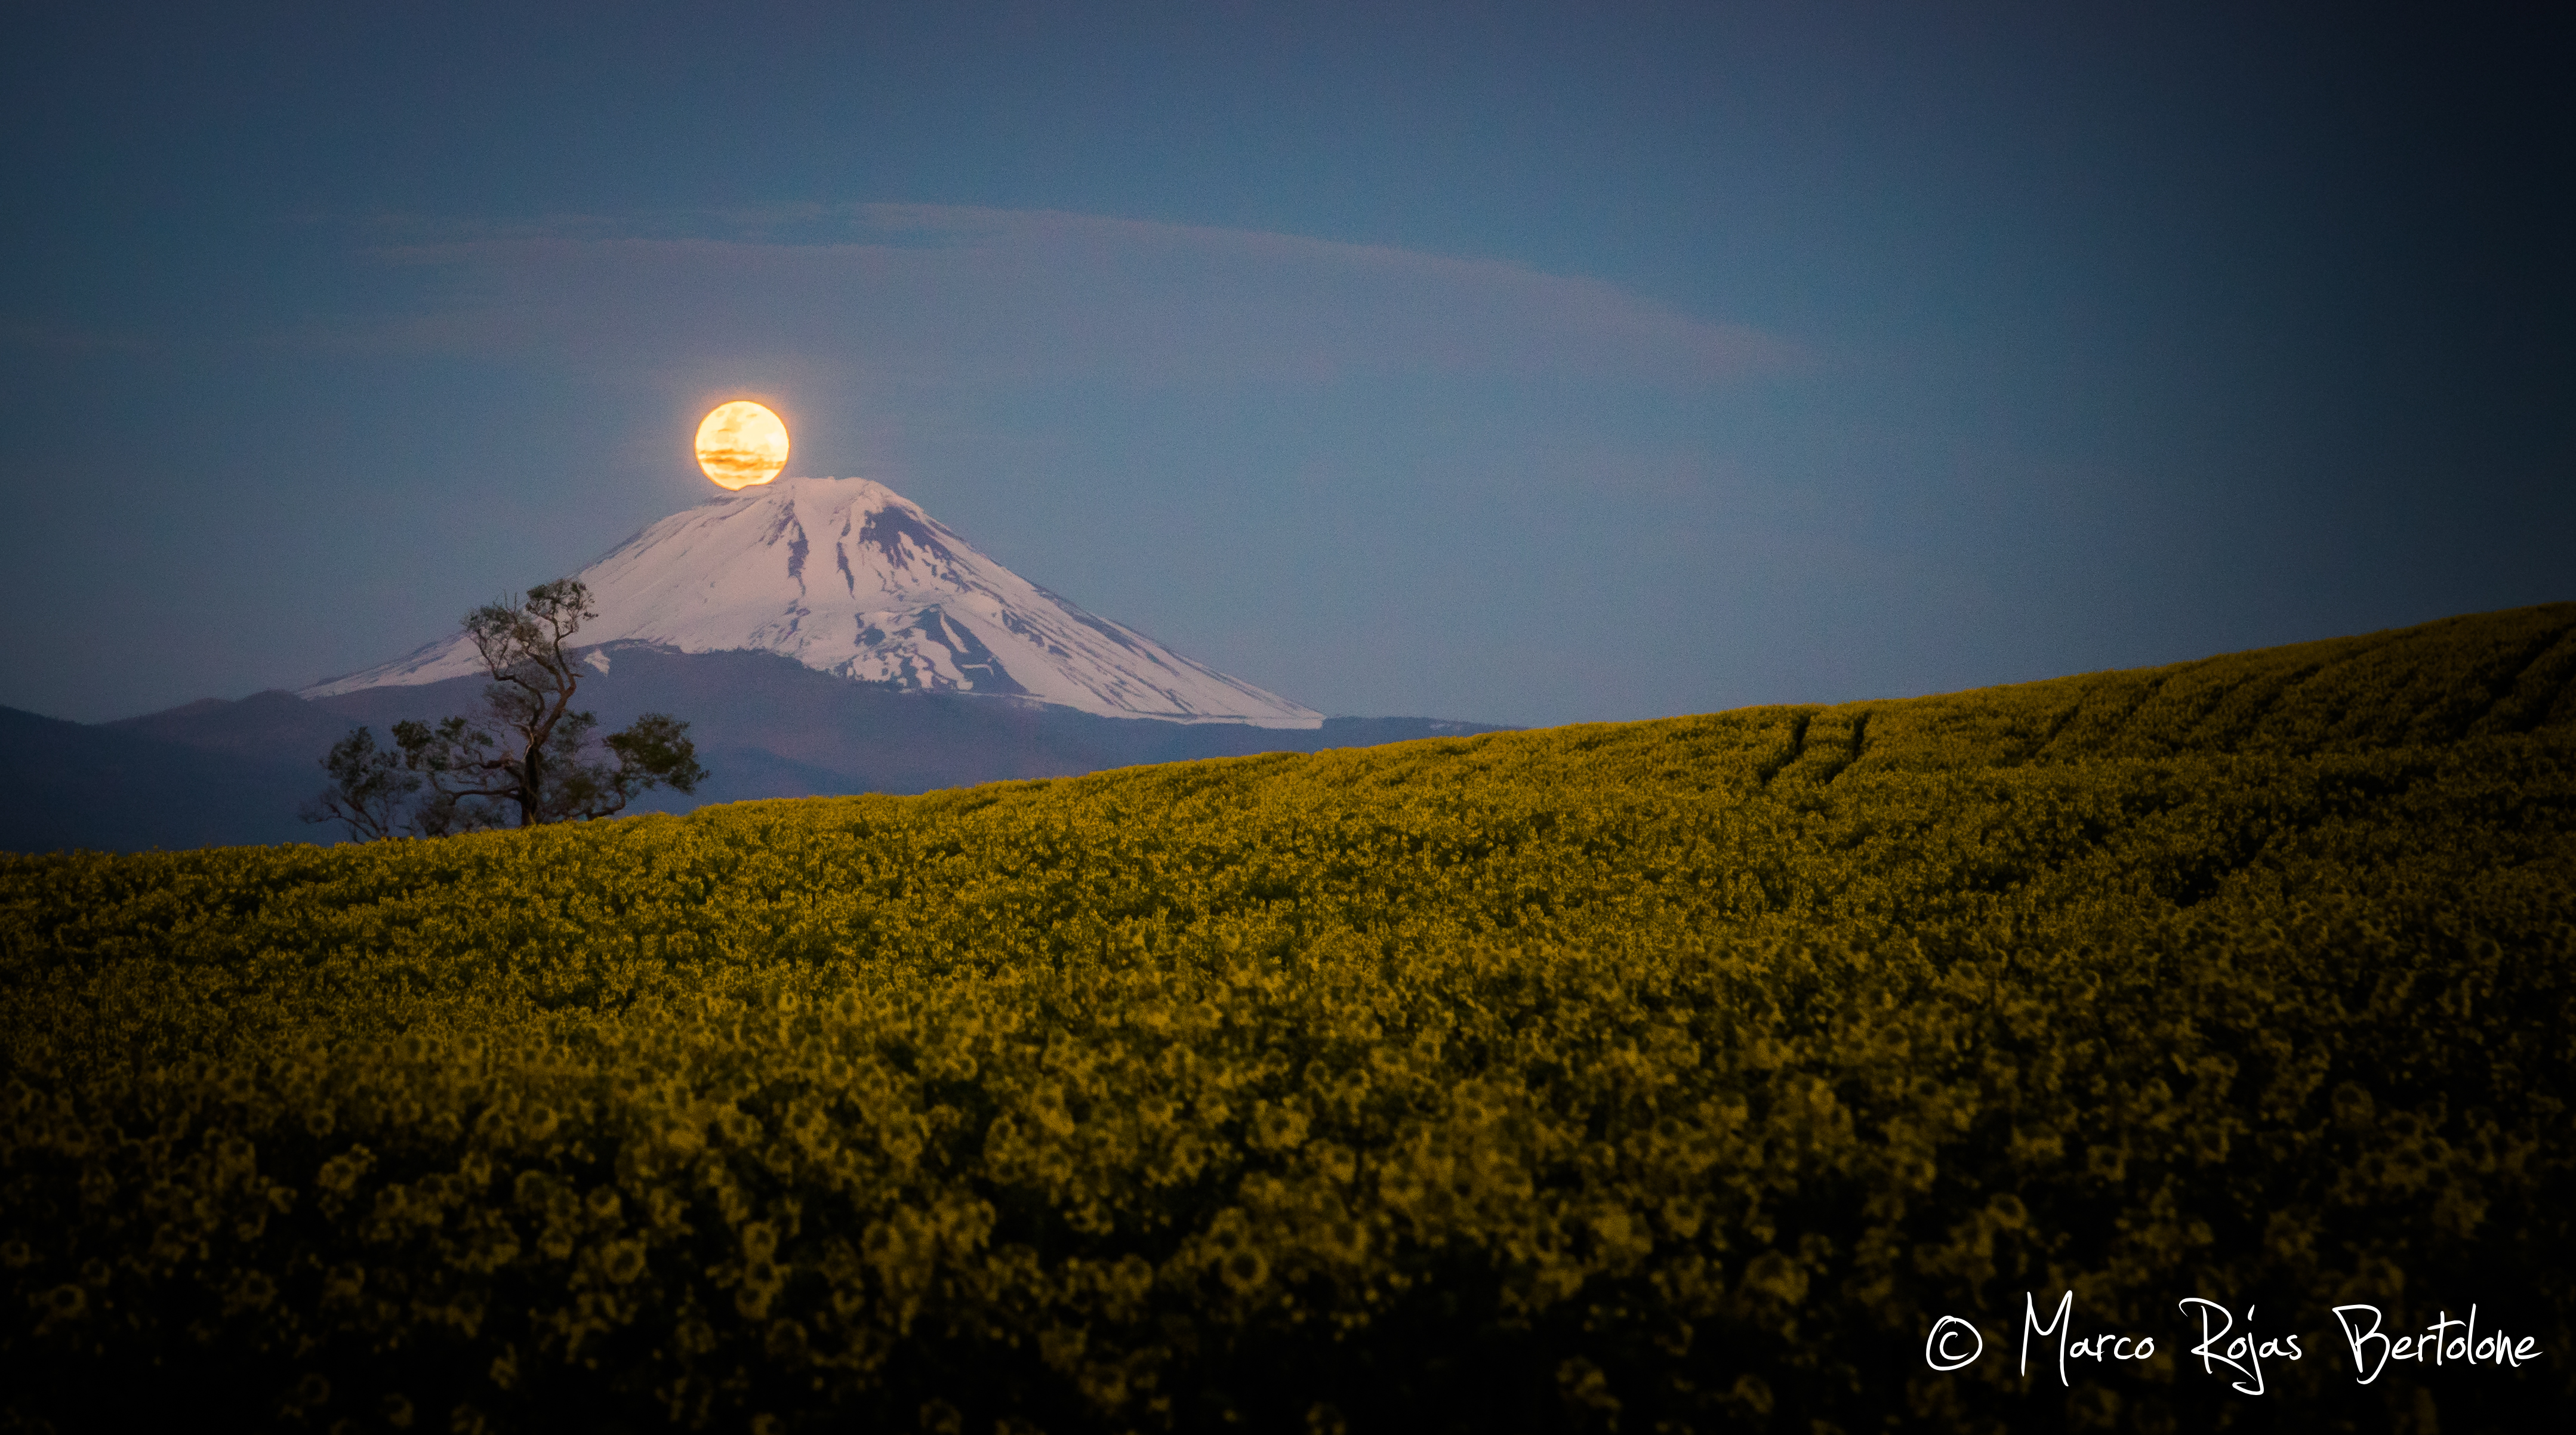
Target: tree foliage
[[529, 756], [368, 787]]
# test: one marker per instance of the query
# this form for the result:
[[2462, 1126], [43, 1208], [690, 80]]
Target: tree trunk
[[532, 781]]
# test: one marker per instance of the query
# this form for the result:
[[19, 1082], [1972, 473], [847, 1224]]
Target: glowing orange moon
[[741, 444]]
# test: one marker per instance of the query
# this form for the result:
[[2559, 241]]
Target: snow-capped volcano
[[847, 576]]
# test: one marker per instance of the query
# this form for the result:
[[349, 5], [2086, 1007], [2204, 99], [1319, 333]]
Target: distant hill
[[220, 772], [64, 784]]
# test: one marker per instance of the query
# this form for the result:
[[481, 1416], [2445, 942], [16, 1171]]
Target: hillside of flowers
[[1659, 1076]]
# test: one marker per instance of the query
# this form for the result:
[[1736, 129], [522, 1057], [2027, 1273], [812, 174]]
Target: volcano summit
[[848, 577]]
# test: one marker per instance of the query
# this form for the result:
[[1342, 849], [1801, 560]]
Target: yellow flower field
[[1651, 1076]]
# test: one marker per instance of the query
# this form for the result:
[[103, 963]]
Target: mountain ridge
[[220, 772], [850, 578]]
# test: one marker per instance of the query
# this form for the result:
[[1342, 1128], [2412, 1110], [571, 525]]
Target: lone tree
[[529, 749]]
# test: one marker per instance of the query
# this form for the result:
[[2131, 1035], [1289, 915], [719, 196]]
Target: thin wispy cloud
[[66, 339], [946, 294]]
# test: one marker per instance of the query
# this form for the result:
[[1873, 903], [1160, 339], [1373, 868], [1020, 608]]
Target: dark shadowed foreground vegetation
[[1666, 1075]]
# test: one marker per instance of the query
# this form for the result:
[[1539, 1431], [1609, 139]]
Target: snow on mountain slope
[[847, 576]]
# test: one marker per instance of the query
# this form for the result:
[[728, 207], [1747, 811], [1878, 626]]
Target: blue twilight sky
[[1516, 362]]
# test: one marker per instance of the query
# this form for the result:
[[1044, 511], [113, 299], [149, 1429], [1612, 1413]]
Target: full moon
[[741, 444]]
